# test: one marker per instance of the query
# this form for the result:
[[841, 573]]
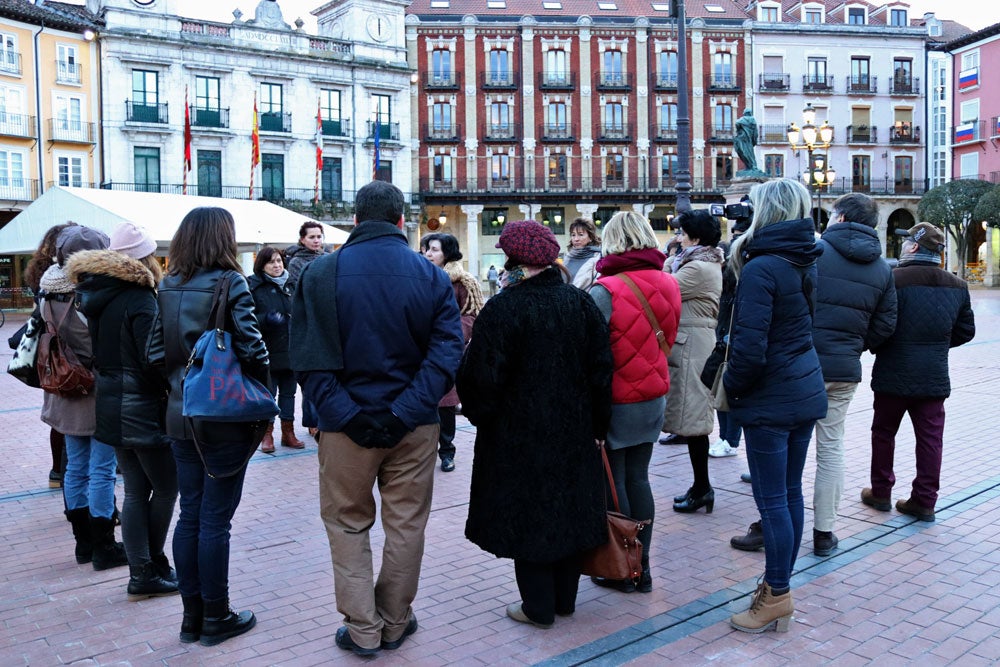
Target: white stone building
[[354, 74]]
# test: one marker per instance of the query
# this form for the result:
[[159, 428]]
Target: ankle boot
[[220, 622], [80, 520], [645, 584], [288, 438], [107, 553], [767, 611], [163, 568], [145, 582], [267, 442], [194, 610]]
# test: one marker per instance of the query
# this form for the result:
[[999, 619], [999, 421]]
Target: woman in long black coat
[[536, 382]]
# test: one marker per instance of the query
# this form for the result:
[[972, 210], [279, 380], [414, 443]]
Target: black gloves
[[383, 430]]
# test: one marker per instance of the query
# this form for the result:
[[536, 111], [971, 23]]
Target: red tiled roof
[[573, 8]]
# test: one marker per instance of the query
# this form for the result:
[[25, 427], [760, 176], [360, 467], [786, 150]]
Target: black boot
[[163, 568], [107, 552], [80, 520], [645, 584], [145, 582], [221, 622], [191, 623]]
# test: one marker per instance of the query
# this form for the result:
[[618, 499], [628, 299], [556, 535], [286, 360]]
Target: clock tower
[[375, 22], [155, 6]]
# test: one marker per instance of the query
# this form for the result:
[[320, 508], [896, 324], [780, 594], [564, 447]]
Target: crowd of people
[[602, 351]]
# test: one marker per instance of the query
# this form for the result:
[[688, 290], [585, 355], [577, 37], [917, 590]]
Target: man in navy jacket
[[376, 340], [911, 370]]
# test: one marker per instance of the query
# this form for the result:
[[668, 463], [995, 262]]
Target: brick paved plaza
[[896, 591]]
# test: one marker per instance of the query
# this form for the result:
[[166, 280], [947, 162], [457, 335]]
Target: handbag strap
[[611, 478], [732, 311], [661, 338], [218, 312]]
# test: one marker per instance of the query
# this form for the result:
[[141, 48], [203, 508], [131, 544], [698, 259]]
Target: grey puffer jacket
[[184, 311]]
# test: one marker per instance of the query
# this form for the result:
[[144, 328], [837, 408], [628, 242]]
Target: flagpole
[[254, 144], [187, 141], [319, 146]]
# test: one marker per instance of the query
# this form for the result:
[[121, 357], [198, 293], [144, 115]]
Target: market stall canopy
[[258, 223]]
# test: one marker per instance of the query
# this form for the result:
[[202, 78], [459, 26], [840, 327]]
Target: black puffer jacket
[[116, 294], [855, 300], [536, 383], [184, 313], [934, 314], [274, 311]]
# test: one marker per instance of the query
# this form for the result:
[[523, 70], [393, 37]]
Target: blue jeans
[[777, 457], [283, 389], [90, 476], [207, 506], [729, 430]]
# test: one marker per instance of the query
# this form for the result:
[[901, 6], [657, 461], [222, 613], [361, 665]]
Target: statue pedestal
[[738, 188]]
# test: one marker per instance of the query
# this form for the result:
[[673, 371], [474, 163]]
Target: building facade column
[[472, 227]]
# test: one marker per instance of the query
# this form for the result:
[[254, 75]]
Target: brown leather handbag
[[59, 370], [621, 556]]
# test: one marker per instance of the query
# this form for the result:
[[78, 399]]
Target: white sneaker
[[720, 448]]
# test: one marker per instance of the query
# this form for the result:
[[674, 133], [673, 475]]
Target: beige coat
[[689, 409], [70, 416]]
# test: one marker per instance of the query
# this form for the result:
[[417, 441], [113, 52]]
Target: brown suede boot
[[267, 443], [288, 438], [767, 611]]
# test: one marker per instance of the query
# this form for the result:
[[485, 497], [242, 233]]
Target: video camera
[[740, 212]]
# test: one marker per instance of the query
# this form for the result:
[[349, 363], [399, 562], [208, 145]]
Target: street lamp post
[[683, 186], [812, 138]]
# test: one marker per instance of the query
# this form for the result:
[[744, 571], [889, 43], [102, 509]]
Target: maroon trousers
[[927, 416]]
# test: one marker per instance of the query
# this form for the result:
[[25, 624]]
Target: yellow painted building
[[49, 107]]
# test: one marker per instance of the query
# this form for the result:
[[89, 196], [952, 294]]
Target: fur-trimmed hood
[[109, 263]]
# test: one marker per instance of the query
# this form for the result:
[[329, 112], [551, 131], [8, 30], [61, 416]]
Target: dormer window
[[812, 14], [897, 18], [769, 13], [857, 16]]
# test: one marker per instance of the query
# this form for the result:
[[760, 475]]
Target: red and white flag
[[187, 140], [319, 147], [254, 144]]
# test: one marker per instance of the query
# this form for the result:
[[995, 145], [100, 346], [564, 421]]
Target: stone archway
[[903, 219]]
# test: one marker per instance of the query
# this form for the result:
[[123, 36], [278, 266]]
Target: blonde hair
[[151, 263], [773, 201], [627, 230]]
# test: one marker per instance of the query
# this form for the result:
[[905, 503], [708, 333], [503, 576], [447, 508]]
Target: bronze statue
[[746, 139]]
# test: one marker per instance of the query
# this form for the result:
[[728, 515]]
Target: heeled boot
[[288, 438], [107, 553], [693, 503], [767, 611], [221, 623], [145, 582], [194, 612], [267, 442], [79, 519], [162, 565]]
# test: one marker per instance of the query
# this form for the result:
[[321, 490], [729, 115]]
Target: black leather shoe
[[693, 504], [447, 464], [752, 541], [672, 439], [645, 584], [824, 542], [745, 477], [411, 627], [221, 623], [344, 641], [687, 494], [620, 585]]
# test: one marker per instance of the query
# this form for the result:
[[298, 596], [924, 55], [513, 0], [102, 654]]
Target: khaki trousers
[[376, 611], [829, 486]]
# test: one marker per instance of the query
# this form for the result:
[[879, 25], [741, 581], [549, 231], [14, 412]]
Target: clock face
[[379, 27], [144, 3]]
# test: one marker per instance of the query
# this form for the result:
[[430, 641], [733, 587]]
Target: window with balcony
[[968, 165], [499, 119], [207, 111], [816, 78], [903, 131], [614, 171], [857, 16], [146, 160], [332, 180], [69, 171], [68, 123], [331, 113], [902, 76], [556, 68], [898, 18], [500, 171], [723, 168], [209, 173], [774, 165], [67, 64], [384, 171], [500, 73], [903, 173], [272, 183], [861, 79], [614, 121], [666, 74], [146, 97], [556, 121], [381, 119], [442, 172], [272, 108], [13, 122], [668, 121], [774, 78], [722, 124], [861, 173], [613, 68], [968, 76], [556, 170], [861, 130], [441, 123], [13, 184], [442, 68], [10, 56], [668, 168], [723, 72]]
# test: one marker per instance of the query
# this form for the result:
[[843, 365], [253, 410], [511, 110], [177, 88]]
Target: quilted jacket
[[934, 315]]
